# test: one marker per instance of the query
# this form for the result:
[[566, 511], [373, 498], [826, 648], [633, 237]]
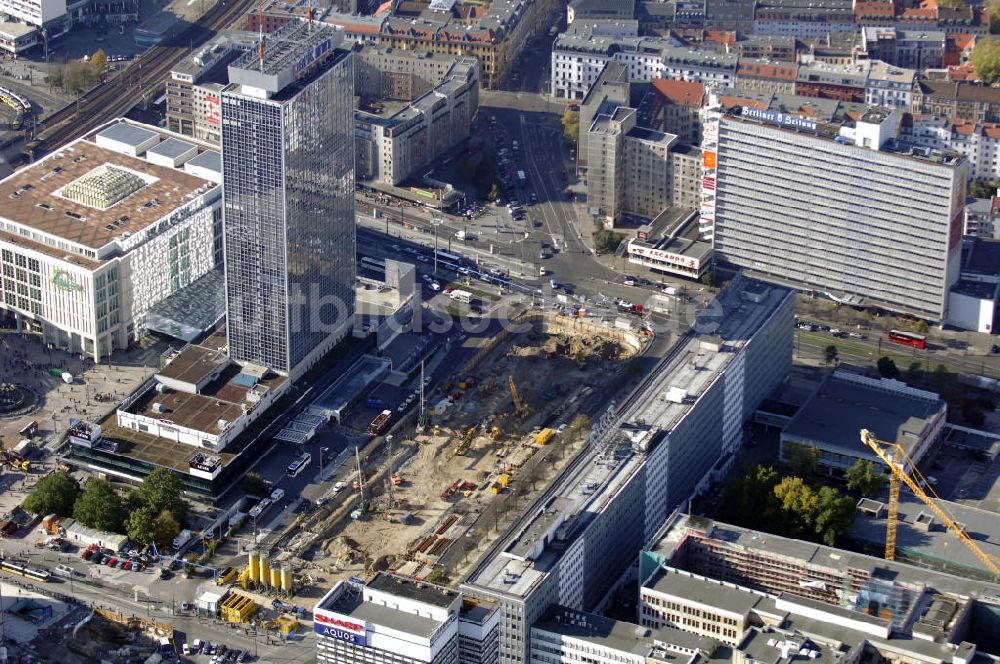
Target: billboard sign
[[666, 256], [314, 54], [212, 113], [343, 628], [782, 119], [708, 159]]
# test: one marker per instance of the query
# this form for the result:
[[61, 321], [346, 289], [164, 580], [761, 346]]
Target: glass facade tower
[[288, 192]]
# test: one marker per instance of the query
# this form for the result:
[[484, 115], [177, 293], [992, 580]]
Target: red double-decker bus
[[908, 339]]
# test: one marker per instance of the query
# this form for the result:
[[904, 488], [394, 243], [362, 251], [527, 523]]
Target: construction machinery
[[466, 442], [16, 461], [520, 407], [901, 466]]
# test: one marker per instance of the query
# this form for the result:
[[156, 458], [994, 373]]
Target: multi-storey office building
[[288, 182], [846, 403], [98, 232], [195, 84], [737, 585], [675, 436], [817, 206], [396, 620]]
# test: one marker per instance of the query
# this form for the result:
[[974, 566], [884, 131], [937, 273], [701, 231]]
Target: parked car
[[338, 487]]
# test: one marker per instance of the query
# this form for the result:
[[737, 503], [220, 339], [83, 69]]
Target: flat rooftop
[[935, 546], [35, 197], [350, 602], [838, 561], [193, 364], [415, 590], [620, 635], [724, 597], [841, 408]]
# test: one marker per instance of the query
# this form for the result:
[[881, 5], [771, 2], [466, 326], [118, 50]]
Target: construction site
[[439, 490]]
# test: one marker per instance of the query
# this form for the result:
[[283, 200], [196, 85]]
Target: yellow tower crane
[[900, 465], [520, 408]]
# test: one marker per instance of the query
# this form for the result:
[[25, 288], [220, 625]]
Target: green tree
[[749, 499], [921, 327], [605, 241], [798, 502], [986, 59], [951, 4], [494, 193], [98, 63], [864, 479], [982, 188], [100, 506], [993, 11], [161, 490], [834, 515], [253, 484], [140, 525], [801, 459], [887, 368], [571, 126], [77, 77], [165, 528], [830, 353], [439, 577], [54, 494]]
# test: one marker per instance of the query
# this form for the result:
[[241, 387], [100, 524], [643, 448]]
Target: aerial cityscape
[[500, 331]]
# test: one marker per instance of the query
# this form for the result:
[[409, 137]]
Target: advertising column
[[710, 151]]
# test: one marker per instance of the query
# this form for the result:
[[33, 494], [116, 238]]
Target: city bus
[[461, 296], [295, 467], [373, 264], [445, 257], [380, 423], [908, 339]]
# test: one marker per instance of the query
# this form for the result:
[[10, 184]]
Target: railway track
[[124, 90]]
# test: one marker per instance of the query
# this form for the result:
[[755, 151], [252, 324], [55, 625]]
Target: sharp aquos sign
[[336, 626]]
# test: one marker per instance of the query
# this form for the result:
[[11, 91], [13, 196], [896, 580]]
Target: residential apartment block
[[757, 76], [495, 36], [631, 168], [963, 100], [673, 441], [979, 143], [674, 107], [889, 86], [912, 49], [834, 223], [611, 90], [577, 62], [802, 18], [398, 135]]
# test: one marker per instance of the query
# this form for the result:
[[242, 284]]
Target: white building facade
[[87, 290]]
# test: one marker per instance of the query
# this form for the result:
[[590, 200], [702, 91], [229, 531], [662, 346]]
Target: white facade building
[[401, 621], [978, 143], [98, 232], [792, 206], [889, 86], [578, 60], [35, 12]]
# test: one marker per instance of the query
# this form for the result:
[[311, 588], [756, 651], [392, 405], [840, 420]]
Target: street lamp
[[435, 222]]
